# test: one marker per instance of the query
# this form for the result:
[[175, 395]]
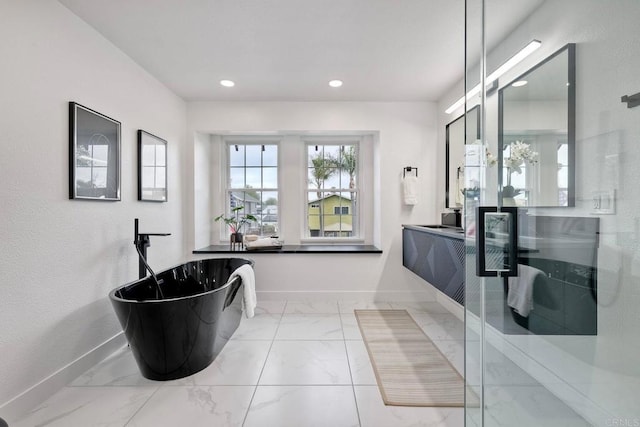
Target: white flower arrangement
[[520, 152], [491, 159]]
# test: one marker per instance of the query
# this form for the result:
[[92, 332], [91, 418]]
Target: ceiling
[[288, 50]]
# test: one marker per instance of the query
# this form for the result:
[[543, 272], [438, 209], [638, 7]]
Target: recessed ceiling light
[[519, 83], [335, 83], [227, 83]]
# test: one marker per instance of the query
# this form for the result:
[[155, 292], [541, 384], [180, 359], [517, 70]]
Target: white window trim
[[227, 143], [292, 182], [332, 140]]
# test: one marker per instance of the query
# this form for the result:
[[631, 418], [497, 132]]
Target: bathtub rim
[[113, 297]]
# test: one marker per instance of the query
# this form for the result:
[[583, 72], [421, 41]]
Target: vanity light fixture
[[227, 83], [509, 64], [335, 83], [519, 83]]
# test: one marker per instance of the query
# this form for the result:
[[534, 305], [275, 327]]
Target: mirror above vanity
[[457, 178], [536, 134]]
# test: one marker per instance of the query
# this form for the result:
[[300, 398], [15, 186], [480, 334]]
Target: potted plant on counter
[[235, 222]]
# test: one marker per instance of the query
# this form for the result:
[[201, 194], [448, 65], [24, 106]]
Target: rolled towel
[[520, 296], [249, 298], [410, 190], [265, 243]]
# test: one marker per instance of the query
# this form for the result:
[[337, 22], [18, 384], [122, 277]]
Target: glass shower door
[[552, 222]]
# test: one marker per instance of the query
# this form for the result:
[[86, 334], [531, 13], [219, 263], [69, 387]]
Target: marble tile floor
[[295, 363]]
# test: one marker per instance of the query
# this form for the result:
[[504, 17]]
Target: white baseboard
[[38, 393], [454, 307], [365, 296]]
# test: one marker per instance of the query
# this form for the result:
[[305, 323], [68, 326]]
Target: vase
[[508, 201], [235, 241]]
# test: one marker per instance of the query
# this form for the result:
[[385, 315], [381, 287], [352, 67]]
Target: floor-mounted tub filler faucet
[[142, 242]]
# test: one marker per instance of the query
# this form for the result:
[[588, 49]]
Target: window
[[563, 173], [252, 182], [332, 190], [304, 187], [516, 177], [341, 210]]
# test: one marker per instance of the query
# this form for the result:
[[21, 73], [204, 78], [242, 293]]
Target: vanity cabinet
[[436, 255], [564, 249]]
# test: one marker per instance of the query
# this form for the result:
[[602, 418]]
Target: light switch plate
[[603, 202]]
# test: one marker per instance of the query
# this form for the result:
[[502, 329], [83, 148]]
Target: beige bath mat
[[409, 368]]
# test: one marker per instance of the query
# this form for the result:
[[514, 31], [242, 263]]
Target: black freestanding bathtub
[[182, 332]]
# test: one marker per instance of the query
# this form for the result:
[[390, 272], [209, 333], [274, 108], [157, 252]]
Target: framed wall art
[[94, 155], [152, 167]]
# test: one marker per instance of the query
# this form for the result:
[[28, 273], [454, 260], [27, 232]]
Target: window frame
[[228, 142], [357, 223], [292, 183]]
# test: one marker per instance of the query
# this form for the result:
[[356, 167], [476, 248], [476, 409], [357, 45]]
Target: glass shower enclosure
[[552, 302]]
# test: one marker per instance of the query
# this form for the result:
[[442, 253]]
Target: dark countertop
[[440, 230], [295, 249]]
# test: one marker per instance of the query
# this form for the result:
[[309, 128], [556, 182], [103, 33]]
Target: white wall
[[599, 376], [59, 257], [202, 181], [407, 137]]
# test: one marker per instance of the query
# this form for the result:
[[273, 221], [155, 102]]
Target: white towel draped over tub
[[520, 296], [410, 190], [249, 299]]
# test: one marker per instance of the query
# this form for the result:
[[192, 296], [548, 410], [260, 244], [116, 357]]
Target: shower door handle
[[497, 241]]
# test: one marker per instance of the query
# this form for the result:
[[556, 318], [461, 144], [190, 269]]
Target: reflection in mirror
[[455, 156], [537, 134], [152, 167]]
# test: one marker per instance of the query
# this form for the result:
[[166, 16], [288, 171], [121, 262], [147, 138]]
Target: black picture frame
[[152, 168], [94, 155]]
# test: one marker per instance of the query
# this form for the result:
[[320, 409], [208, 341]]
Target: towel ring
[[409, 169]]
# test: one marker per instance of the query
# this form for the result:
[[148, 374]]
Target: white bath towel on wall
[[410, 189], [520, 296], [249, 299]]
